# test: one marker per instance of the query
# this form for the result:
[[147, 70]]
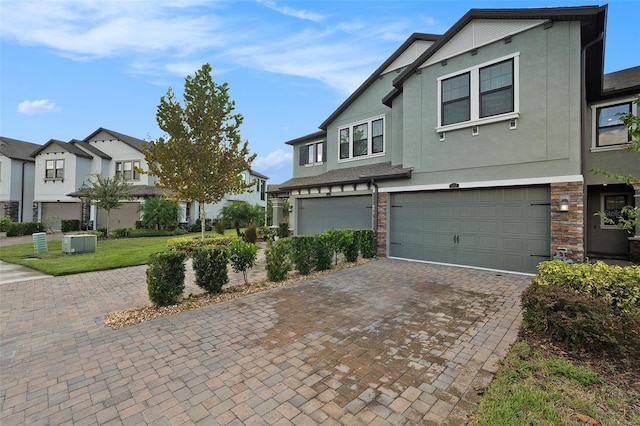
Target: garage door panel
[[316, 215], [500, 228]]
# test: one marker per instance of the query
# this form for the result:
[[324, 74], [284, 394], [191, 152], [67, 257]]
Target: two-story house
[[62, 167], [474, 147], [16, 179]]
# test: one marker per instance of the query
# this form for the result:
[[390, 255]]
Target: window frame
[[346, 133], [475, 115], [594, 124], [603, 201], [310, 155], [58, 172], [122, 173]]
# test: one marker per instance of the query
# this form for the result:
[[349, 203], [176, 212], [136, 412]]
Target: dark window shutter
[[303, 155], [324, 151]]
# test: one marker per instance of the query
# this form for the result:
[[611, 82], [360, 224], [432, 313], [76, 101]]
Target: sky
[[68, 68]]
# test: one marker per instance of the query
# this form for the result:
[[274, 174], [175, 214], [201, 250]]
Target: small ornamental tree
[[105, 193], [242, 257], [201, 155], [159, 213]]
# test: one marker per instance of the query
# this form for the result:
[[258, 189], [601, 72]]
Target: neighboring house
[[254, 196], [16, 179], [62, 167], [474, 147]]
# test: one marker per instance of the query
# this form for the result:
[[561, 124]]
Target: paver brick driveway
[[389, 342]]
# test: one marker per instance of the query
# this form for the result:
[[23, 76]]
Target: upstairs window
[[313, 153], [127, 170], [54, 169], [482, 94], [362, 139], [610, 130]]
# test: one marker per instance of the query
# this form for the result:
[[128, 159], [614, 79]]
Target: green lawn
[[110, 254]]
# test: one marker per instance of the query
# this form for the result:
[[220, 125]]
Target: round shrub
[[165, 277], [277, 261], [242, 257], [210, 266]]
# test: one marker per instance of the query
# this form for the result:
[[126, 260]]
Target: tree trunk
[[108, 218], [202, 219]]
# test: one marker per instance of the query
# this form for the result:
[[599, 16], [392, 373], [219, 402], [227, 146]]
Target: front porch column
[[382, 224], [634, 241], [278, 211], [567, 227]]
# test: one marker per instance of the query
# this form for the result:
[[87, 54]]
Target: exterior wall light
[[564, 203]]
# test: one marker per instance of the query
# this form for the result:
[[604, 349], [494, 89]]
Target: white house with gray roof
[[17, 169]]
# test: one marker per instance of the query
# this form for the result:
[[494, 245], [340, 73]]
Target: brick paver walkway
[[389, 342]]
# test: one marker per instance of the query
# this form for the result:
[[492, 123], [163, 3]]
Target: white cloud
[[296, 13], [273, 160], [36, 107]]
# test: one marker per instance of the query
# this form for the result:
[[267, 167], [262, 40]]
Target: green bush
[[263, 233], [15, 229], [137, 233], [277, 261], [616, 285], [165, 277], [219, 227], [348, 244], [581, 321], [119, 233], [190, 242], [103, 232], [283, 230], [210, 266], [367, 243], [302, 253], [251, 234], [322, 252], [69, 225], [4, 223], [243, 256]]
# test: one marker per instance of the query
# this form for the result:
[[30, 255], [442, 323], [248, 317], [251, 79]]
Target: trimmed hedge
[[581, 321], [322, 252], [165, 277], [277, 261], [210, 266], [618, 286], [367, 243], [69, 225], [302, 253], [191, 242], [15, 229]]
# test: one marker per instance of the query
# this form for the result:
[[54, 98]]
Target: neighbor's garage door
[[498, 228], [316, 215]]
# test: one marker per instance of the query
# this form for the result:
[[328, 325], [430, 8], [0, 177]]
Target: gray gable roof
[[593, 19], [351, 175], [622, 82], [90, 148], [135, 143], [258, 175], [17, 149], [373, 77], [322, 134], [69, 147]]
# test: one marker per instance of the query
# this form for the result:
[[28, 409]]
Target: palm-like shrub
[[160, 213]]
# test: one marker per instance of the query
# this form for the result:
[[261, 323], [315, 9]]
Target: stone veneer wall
[[567, 228], [382, 224]]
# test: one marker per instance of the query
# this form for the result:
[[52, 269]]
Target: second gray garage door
[[497, 228], [316, 215]]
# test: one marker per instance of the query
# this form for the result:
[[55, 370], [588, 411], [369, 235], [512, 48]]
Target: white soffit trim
[[486, 184], [478, 33], [410, 54]]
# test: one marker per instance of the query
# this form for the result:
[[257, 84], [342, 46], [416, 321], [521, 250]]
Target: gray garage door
[[498, 228], [53, 213], [316, 215]]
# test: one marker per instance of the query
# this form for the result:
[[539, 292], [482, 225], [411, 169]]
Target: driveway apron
[[388, 342]]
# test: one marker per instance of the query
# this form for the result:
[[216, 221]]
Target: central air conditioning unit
[[73, 244]]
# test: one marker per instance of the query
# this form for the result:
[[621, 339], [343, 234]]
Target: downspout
[[22, 194], [375, 210]]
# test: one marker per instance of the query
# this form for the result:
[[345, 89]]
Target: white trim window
[[362, 139], [313, 153], [486, 93], [127, 170], [608, 131], [54, 169]]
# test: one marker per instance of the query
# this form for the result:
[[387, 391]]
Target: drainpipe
[[21, 194], [375, 209]]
